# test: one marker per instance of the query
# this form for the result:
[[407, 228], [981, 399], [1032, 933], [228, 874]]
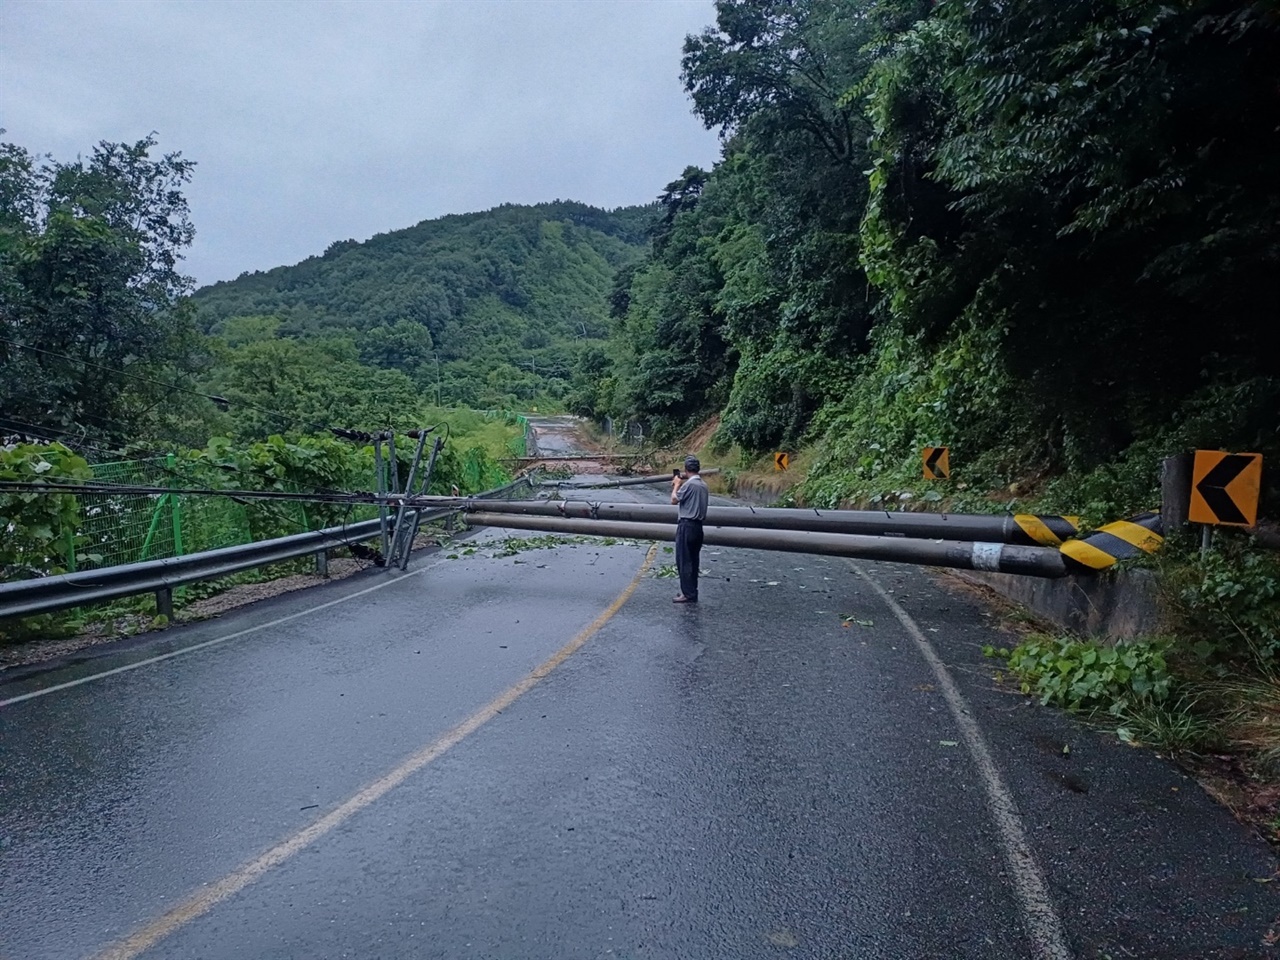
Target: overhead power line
[[110, 369], [123, 489], [30, 430]]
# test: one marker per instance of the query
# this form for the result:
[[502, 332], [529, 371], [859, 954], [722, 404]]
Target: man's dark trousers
[[688, 550]]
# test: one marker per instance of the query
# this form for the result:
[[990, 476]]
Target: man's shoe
[[681, 598]]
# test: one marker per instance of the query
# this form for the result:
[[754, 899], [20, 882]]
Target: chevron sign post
[[1224, 488], [937, 463]]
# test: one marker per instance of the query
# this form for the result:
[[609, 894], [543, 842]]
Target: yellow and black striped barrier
[[1040, 530], [1122, 540]]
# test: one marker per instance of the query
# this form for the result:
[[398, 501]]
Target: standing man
[[690, 493]]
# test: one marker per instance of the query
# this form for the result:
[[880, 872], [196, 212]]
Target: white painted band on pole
[[986, 556]]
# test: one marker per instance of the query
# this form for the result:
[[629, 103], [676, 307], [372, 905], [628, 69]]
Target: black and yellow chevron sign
[[1224, 488], [937, 463], [781, 461], [1046, 531], [1117, 541]]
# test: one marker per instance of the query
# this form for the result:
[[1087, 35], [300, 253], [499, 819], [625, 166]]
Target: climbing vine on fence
[[37, 531]]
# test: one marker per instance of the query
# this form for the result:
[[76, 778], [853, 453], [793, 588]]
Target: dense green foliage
[[89, 285], [753, 300], [1086, 675], [1042, 234], [486, 309], [35, 526], [43, 530], [1226, 604], [1089, 191], [279, 384], [323, 464]]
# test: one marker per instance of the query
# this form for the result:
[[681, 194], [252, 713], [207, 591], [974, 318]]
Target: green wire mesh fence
[[116, 528], [113, 528], [517, 446]]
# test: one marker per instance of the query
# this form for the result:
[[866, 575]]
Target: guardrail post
[[164, 602], [322, 563]]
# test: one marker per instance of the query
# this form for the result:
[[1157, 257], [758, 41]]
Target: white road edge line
[[1043, 926], [216, 640]]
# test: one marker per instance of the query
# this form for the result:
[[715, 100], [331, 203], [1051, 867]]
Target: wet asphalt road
[[750, 777], [554, 436]]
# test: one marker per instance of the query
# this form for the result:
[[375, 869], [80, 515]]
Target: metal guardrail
[[49, 594], [25, 598]]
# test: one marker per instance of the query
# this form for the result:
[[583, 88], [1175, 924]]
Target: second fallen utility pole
[[993, 557], [1027, 530]]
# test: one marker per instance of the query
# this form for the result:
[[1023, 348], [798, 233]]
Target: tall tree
[[1096, 184], [780, 235], [93, 313]]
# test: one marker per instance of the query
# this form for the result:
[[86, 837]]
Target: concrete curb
[[1119, 605]]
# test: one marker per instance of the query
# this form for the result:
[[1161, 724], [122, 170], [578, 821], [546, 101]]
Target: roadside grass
[[1223, 730], [1179, 727], [1251, 719], [1206, 692], [472, 428]]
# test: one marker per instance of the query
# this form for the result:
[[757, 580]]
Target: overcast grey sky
[[320, 121]]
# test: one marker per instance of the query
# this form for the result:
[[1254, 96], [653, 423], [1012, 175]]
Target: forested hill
[[485, 305]]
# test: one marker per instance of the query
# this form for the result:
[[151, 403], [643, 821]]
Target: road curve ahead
[[532, 753]]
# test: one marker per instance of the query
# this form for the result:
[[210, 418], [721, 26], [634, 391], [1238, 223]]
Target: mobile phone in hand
[[675, 472]]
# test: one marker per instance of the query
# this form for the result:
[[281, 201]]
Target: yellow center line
[[208, 897]]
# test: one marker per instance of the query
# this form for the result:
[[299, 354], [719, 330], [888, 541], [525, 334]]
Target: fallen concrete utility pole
[[993, 557], [1049, 531]]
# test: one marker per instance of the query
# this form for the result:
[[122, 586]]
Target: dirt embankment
[[761, 483]]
